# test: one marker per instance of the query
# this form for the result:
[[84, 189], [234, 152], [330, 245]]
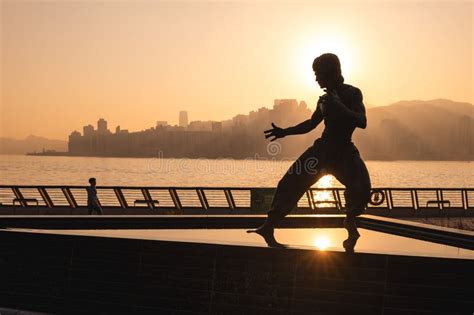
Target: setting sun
[[321, 242], [313, 46]]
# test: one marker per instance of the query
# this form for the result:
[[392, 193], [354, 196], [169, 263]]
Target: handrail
[[231, 198], [221, 187]]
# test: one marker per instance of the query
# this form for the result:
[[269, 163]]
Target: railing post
[[417, 202], [19, 196], [388, 193], [439, 198], [147, 196], [467, 199], [309, 199], [311, 196], [44, 194], [202, 199], [335, 196], [464, 198], [69, 196], [229, 198], [413, 204], [338, 194], [121, 198], [175, 198]]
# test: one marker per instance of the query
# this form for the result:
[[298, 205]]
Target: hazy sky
[[64, 64]]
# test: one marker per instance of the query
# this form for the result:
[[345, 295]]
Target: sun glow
[[321, 242], [314, 46]]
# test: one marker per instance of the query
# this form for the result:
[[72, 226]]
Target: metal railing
[[231, 198]]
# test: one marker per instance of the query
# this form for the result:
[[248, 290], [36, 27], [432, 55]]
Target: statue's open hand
[[275, 132]]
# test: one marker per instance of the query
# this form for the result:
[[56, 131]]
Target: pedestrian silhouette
[[92, 201], [342, 110]]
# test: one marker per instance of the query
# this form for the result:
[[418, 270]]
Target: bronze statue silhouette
[[342, 110]]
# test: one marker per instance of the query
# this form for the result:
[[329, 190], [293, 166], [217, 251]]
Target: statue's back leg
[[353, 174]]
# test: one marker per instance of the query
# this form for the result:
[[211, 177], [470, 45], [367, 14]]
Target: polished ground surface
[[329, 239]]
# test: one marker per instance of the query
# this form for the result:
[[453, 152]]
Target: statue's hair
[[330, 65]]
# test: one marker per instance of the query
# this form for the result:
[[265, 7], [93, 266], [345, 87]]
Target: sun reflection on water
[[327, 181]]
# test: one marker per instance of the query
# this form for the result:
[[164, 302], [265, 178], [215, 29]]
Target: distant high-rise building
[[200, 125], [88, 130], [73, 144], [161, 123], [216, 126], [303, 105], [75, 134], [288, 103], [102, 126], [183, 118], [117, 129], [240, 120], [284, 110]]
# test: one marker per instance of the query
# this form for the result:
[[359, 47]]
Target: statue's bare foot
[[353, 234], [267, 234], [350, 243]]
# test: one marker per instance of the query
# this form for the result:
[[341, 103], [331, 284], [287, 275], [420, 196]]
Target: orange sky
[[64, 64]]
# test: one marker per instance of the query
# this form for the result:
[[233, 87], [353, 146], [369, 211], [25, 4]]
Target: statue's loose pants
[[342, 160]]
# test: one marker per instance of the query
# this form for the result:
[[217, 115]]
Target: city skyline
[[195, 125], [118, 125], [64, 62], [393, 131], [446, 133]]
